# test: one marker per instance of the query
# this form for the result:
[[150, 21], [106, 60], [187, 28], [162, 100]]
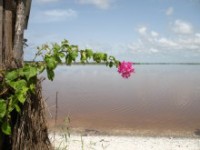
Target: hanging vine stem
[[16, 84]]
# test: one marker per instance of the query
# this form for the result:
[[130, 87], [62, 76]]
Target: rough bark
[[19, 30], [30, 131], [1, 52], [1, 34], [7, 33]]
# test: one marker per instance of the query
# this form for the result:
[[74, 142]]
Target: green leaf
[[105, 57], [65, 44], [6, 129], [17, 108], [51, 62], [29, 71], [89, 53], [12, 75], [111, 64], [73, 54], [18, 85], [83, 56], [97, 57], [32, 88], [117, 63], [2, 108], [74, 47], [61, 55], [24, 90], [101, 56], [21, 97], [112, 58], [57, 58], [12, 100], [68, 60], [56, 47], [40, 68], [50, 74]]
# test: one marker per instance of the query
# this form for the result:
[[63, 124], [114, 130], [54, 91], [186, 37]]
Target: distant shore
[[135, 63]]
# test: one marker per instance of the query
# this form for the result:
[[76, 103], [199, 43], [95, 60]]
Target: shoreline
[[65, 136], [126, 132], [113, 142]]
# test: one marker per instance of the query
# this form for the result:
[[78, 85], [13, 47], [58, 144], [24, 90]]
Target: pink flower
[[125, 69]]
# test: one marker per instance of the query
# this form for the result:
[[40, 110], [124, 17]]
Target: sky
[[131, 30]]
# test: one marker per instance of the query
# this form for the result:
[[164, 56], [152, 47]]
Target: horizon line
[[135, 63]]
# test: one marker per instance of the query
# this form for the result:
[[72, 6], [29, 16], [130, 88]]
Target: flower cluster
[[125, 69]]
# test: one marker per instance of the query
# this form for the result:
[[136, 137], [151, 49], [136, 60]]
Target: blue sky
[[134, 30]]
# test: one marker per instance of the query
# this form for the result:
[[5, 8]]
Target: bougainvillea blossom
[[125, 69]]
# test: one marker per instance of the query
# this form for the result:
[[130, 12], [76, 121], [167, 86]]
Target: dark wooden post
[[1, 34], [1, 52], [8, 34], [13, 20], [19, 31]]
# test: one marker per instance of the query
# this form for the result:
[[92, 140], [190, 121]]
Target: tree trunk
[[1, 34], [29, 129], [19, 31], [7, 34]]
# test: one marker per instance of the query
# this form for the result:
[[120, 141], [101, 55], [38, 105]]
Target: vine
[[17, 84]]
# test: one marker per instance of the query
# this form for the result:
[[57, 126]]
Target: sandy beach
[[102, 142]]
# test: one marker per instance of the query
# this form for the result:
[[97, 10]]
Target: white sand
[[101, 142]]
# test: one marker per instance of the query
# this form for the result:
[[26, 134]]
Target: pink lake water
[[157, 98]]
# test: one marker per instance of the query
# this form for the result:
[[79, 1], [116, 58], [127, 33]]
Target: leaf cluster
[[64, 53], [19, 83]]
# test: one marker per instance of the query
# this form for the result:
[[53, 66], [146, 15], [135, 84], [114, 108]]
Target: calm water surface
[[156, 98]]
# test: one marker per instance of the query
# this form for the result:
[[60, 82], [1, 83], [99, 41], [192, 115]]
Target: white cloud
[[153, 50], [61, 13], [169, 11], [102, 4], [182, 27], [166, 42], [154, 34], [54, 15], [47, 1], [197, 34], [142, 30], [153, 42]]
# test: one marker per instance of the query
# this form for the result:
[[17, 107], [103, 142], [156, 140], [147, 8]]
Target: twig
[[56, 114], [4, 91]]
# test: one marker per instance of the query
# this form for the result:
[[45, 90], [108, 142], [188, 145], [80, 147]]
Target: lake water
[[156, 98]]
